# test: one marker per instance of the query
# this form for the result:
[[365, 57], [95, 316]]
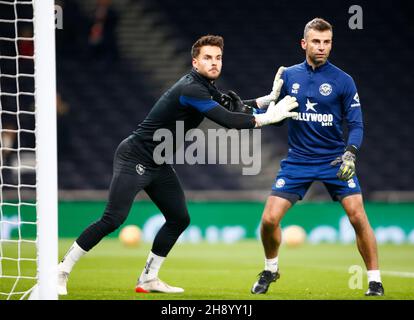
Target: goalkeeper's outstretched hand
[[347, 169], [263, 102], [277, 112], [232, 102], [237, 105]]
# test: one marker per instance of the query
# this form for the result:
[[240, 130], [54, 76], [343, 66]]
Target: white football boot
[[62, 282], [156, 285]]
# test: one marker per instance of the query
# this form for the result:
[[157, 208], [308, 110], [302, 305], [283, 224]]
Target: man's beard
[[318, 61], [212, 78]]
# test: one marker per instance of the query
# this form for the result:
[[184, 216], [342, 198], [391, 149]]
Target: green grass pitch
[[227, 271]]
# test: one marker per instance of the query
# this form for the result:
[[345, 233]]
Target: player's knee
[[111, 223], [185, 221], [270, 221], [357, 217], [182, 222]]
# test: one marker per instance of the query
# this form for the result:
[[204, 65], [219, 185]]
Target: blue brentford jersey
[[327, 98]]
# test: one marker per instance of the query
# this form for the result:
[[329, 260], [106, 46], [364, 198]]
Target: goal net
[[28, 182]]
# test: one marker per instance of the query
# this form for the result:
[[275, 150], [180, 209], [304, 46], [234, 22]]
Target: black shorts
[[131, 174]]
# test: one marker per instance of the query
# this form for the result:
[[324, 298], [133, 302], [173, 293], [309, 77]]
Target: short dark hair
[[208, 40], [318, 24]]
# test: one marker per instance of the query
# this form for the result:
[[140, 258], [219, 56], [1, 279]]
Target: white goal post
[[43, 203], [45, 97]]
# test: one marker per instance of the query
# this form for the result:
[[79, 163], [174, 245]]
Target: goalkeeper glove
[[347, 169], [263, 102], [232, 102], [223, 99], [277, 112], [237, 105]]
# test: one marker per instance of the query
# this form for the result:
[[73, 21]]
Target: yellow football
[[130, 236], [293, 236]]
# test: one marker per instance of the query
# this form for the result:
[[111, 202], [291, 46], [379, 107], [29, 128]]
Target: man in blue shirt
[[327, 97]]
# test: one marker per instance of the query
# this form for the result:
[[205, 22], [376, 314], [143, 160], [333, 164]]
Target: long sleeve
[[353, 114]]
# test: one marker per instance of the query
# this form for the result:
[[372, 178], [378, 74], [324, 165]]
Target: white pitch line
[[398, 274]]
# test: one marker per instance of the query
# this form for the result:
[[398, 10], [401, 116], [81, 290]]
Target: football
[[293, 236], [130, 236]]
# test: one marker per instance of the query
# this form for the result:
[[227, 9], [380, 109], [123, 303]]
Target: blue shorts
[[296, 176]]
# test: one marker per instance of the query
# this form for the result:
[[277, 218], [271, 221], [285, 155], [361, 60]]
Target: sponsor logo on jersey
[[326, 120], [140, 169], [356, 98], [310, 106], [295, 87], [325, 89]]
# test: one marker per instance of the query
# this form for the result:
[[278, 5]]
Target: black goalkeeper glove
[[347, 169], [232, 102], [237, 105], [223, 99]]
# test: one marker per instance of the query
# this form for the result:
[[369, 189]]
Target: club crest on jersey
[[351, 183], [325, 89], [140, 169], [295, 87], [280, 183]]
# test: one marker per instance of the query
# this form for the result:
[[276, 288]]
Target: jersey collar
[[201, 78], [318, 69]]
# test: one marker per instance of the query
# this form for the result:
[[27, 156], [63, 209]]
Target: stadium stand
[[108, 100]]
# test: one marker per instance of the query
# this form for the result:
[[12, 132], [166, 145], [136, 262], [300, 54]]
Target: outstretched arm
[[202, 101], [231, 120], [274, 114]]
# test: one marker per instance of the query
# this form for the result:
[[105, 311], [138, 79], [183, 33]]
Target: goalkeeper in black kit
[[189, 100]]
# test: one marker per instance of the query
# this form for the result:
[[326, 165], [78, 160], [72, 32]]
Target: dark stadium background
[[109, 90]]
